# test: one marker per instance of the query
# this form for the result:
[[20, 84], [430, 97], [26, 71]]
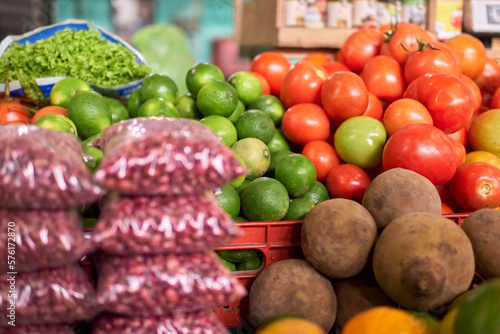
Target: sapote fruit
[[423, 260], [399, 191]]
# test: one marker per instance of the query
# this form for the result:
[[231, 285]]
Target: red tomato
[[447, 97], [375, 108], [476, 92], [403, 112], [495, 100], [303, 84], [266, 89], [334, 66], [384, 78], [404, 41], [424, 149], [471, 52], [446, 209], [323, 157], [434, 57], [361, 46], [48, 110], [9, 114], [476, 186], [344, 95], [459, 136], [489, 78], [446, 196], [460, 153], [305, 122], [347, 181], [273, 66], [318, 58]]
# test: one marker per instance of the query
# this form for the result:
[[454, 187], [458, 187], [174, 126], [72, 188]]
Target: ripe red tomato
[[459, 136], [318, 58], [48, 110], [403, 41], [9, 114], [403, 112], [460, 153], [266, 89], [375, 108], [344, 95], [476, 186], [303, 84], [476, 92], [384, 78], [447, 97], [334, 66], [446, 196], [347, 181], [446, 209], [305, 122], [424, 149], [433, 57], [273, 66], [361, 46], [323, 156], [471, 52], [489, 78]]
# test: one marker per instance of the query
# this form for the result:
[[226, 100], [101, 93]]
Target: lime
[[255, 154], [118, 111], [56, 122], [89, 111], [240, 179], [278, 142], [246, 85], [242, 187], [276, 157], [255, 123], [63, 91], [317, 194], [217, 98], [187, 108], [265, 199], [240, 109], [239, 255], [240, 219], [297, 173], [229, 200], [298, 209], [271, 105], [134, 103], [159, 85], [252, 264], [92, 155], [157, 107], [222, 127], [201, 74], [230, 265]]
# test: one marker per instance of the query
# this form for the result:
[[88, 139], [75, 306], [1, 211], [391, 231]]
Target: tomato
[[334, 66], [446, 209], [489, 78], [375, 108], [424, 149], [361, 46], [273, 66], [460, 153], [318, 58], [48, 110], [403, 41], [459, 136], [433, 57], [266, 89], [323, 157], [476, 186], [482, 156], [446, 196], [9, 114], [384, 78], [471, 52], [447, 97], [495, 100], [347, 181], [476, 92], [484, 132], [403, 112], [344, 95], [305, 122], [303, 84]]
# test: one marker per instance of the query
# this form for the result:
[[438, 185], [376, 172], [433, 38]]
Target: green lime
[[187, 108], [57, 122], [271, 105], [317, 194], [298, 209], [118, 111], [297, 173], [278, 142], [158, 107], [217, 98], [255, 154], [240, 219], [134, 103], [159, 85], [229, 200], [92, 155], [222, 127], [247, 86], [240, 109], [201, 74], [89, 222], [238, 255], [90, 112], [252, 264], [243, 185], [240, 179], [230, 265], [63, 91], [265, 199], [255, 123], [276, 157]]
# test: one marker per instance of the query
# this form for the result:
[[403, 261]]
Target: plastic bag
[[204, 322], [40, 239], [48, 296], [156, 285], [43, 169], [39, 329], [161, 155], [163, 224]]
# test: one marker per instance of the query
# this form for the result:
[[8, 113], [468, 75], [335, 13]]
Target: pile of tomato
[[395, 97]]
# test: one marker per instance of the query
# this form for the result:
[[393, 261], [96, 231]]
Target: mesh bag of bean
[[162, 224], [201, 322], [42, 239], [161, 155], [48, 296], [155, 285], [39, 329], [43, 169]]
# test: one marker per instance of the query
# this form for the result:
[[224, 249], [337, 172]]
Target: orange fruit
[[291, 325], [318, 58]]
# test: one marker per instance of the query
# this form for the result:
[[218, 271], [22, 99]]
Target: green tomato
[[360, 140]]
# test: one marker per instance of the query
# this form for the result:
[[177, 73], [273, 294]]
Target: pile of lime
[[241, 259]]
